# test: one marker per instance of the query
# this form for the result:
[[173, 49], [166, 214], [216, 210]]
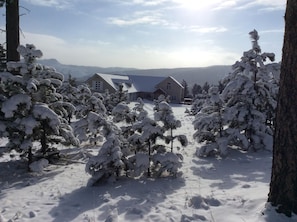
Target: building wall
[[173, 89], [97, 84]]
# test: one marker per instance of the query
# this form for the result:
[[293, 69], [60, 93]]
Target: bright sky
[[150, 33]]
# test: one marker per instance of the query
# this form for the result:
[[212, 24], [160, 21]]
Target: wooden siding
[[172, 88], [105, 85]]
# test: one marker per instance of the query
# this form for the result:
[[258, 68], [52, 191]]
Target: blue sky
[[150, 33]]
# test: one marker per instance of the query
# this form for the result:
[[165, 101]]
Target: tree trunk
[[283, 185], [149, 153], [30, 158], [43, 138], [12, 30], [171, 138]]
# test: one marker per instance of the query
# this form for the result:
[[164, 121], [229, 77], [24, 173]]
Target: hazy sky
[[150, 33]]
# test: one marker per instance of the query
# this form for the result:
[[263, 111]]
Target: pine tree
[[86, 101], [198, 102], [111, 160], [29, 104], [248, 98], [122, 113], [69, 91], [186, 88], [2, 58], [165, 115], [112, 99], [146, 133], [209, 125], [197, 89], [206, 87]]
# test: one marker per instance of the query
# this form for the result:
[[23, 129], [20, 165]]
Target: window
[[97, 85], [168, 85]]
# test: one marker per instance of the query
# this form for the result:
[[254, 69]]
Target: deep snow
[[210, 189]]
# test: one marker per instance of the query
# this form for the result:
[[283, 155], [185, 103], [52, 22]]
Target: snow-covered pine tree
[[111, 160], [165, 115], [160, 99], [197, 89], [168, 162], [88, 128], [112, 99], [86, 101], [122, 113], [125, 118], [249, 97], [87, 104], [139, 113], [146, 133], [69, 91], [209, 126], [198, 102], [28, 105]]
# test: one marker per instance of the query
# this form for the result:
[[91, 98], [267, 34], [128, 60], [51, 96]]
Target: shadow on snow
[[236, 169], [130, 198]]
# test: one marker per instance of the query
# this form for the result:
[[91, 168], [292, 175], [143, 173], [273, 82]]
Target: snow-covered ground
[[219, 190]]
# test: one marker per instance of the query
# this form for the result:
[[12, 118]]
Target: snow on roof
[[133, 83], [177, 82], [146, 83], [112, 79]]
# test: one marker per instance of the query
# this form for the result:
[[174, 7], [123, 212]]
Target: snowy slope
[[222, 190]]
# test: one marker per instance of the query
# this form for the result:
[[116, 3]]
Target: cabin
[[145, 87]]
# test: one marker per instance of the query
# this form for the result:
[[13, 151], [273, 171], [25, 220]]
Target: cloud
[[146, 2], [267, 5], [203, 30], [61, 4], [149, 20], [226, 4], [140, 17]]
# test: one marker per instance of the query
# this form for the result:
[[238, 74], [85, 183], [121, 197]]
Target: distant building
[[146, 87]]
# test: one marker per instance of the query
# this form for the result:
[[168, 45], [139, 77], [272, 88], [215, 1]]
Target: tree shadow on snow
[[132, 199], [236, 169], [15, 174]]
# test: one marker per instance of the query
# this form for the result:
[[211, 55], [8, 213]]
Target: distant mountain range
[[199, 75]]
